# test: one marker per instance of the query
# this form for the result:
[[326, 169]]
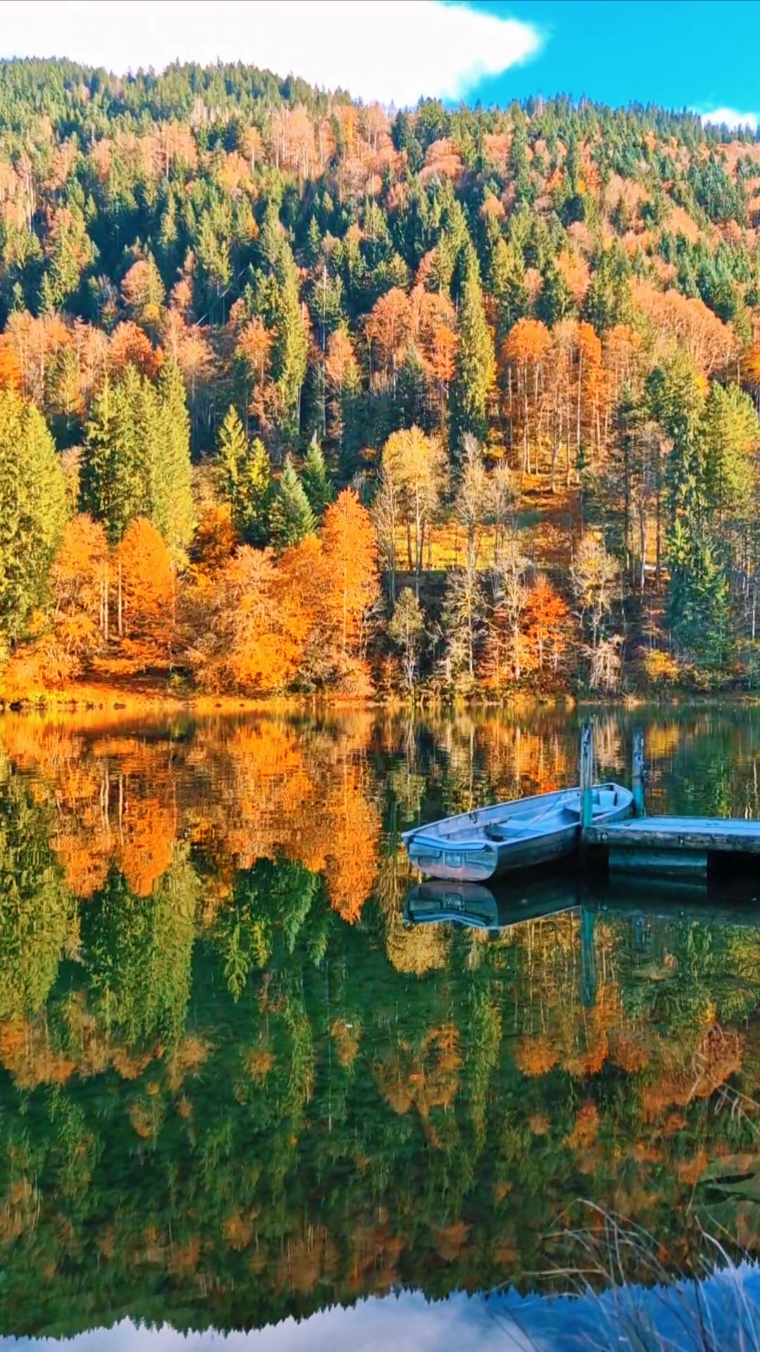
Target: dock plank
[[729, 834]]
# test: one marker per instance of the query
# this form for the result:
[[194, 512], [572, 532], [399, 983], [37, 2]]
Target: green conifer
[[114, 483], [32, 510], [292, 518], [171, 507], [476, 366], [316, 480], [245, 480]]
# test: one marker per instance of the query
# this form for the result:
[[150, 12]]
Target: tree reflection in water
[[239, 1085]]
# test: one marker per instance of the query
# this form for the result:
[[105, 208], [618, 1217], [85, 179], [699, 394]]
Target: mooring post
[[587, 774], [637, 774], [586, 780]]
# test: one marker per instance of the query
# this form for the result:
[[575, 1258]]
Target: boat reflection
[[491, 908], [498, 907]]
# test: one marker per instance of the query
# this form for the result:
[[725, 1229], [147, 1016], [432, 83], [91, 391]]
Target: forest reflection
[[245, 1076]]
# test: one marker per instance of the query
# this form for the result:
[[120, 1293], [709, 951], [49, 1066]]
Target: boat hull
[[479, 859]]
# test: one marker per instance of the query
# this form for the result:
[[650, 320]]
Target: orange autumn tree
[[546, 618], [351, 585], [143, 599], [68, 638], [79, 578], [525, 354], [253, 627]]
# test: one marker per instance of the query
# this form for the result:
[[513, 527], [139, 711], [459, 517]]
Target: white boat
[[476, 846]]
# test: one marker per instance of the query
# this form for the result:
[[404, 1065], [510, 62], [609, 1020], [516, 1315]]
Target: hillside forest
[[299, 394]]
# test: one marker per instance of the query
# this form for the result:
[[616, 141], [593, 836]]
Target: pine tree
[[292, 517], [507, 284], [284, 316], [171, 499], [316, 480], [698, 597], [113, 482], [32, 510], [245, 480], [731, 434], [476, 367]]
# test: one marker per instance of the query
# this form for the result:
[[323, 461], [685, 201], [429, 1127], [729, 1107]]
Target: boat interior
[[514, 820]]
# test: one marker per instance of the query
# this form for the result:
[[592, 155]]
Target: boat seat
[[508, 832]]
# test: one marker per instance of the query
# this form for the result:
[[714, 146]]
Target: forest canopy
[[303, 395]]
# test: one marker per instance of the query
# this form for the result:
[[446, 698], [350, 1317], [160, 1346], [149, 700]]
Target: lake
[[239, 1085]]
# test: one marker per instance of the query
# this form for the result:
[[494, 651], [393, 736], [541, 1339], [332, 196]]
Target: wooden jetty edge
[[673, 845], [661, 846]]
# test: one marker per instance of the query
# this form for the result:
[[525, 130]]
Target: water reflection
[[252, 1069]]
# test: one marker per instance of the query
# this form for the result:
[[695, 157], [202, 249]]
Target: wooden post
[[637, 774], [586, 786], [587, 774]]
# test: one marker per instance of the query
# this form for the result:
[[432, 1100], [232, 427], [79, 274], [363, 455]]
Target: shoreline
[[153, 701]]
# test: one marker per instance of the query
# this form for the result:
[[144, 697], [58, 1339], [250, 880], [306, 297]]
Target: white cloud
[[731, 117], [379, 50], [406, 1322]]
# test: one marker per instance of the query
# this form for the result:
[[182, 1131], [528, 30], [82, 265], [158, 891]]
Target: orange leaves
[[11, 377], [527, 343], [425, 1077], [260, 626], [535, 1056], [687, 324], [79, 566], [545, 619], [268, 621], [146, 594], [433, 329], [575, 270], [340, 363], [387, 330], [348, 543], [254, 344], [130, 344], [143, 292]]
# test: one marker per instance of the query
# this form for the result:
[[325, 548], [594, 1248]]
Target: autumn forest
[[300, 396]]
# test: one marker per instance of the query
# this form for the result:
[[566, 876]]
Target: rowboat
[[475, 846]]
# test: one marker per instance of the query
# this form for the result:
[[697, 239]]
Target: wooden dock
[[673, 846], [665, 847]]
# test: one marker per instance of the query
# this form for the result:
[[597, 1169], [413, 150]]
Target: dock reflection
[[498, 907]]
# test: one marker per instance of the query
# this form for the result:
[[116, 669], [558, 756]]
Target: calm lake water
[[239, 1087]]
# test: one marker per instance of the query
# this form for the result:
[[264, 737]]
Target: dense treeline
[[297, 395], [234, 1084]]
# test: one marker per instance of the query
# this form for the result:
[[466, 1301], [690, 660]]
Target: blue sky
[[699, 54]]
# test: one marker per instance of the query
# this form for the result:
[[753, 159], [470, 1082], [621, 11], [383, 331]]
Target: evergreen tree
[[608, 301], [292, 517], [316, 480], [32, 510], [281, 304], [555, 301], [475, 366], [245, 480], [507, 282], [731, 434], [36, 907], [171, 499], [136, 458], [698, 597], [114, 485]]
